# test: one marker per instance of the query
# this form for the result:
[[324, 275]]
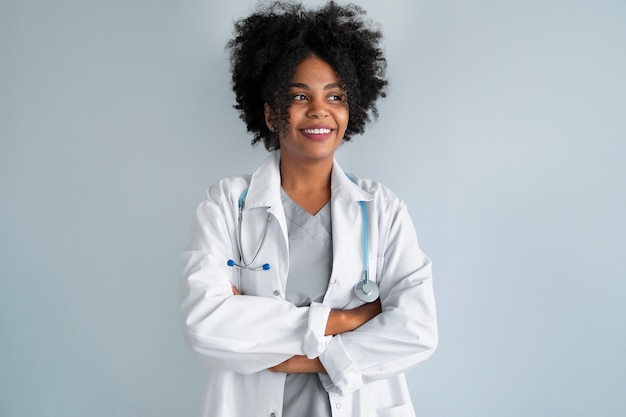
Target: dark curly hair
[[269, 44]]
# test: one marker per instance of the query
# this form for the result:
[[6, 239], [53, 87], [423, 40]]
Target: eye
[[337, 97], [298, 97]]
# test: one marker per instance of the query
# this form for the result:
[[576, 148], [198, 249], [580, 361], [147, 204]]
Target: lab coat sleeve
[[242, 333], [405, 333]]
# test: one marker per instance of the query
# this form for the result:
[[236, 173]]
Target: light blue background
[[504, 131]]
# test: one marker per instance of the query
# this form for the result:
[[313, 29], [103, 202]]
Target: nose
[[317, 109]]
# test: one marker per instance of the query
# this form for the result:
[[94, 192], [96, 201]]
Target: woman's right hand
[[235, 289], [341, 321]]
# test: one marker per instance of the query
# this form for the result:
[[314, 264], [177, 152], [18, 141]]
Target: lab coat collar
[[343, 186], [264, 188]]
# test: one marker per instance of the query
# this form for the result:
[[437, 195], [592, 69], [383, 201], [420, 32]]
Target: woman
[[273, 282]]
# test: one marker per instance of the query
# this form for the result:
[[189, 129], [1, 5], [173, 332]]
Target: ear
[[268, 116]]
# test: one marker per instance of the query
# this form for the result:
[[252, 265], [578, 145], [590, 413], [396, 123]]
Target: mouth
[[318, 133], [322, 131]]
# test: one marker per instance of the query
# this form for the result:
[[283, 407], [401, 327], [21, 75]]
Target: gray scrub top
[[310, 265]]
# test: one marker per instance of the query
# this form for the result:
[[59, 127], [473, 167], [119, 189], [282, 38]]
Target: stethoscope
[[242, 262], [365, 290]]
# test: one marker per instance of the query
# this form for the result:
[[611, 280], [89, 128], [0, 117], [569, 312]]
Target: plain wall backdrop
[[504, 131]]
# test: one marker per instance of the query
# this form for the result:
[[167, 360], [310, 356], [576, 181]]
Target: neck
[[308, 185], [305, 177]]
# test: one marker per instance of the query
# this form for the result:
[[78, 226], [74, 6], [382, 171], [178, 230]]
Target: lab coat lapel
[[263, 198], [347, 225], [264, 189]]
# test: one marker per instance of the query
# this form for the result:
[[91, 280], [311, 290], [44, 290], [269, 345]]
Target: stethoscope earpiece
[[264, 267]]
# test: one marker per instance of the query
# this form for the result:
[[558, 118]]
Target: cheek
[[345, 117]]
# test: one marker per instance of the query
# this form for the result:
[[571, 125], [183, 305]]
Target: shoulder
[[227, 189], [386, 206], [381, 193], [377, 188], [265, 173]]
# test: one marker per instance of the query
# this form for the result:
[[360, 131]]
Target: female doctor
[[304, 291]]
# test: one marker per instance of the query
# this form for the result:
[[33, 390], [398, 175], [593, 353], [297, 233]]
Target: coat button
[[338, 405], [273, 415], [276, 293]]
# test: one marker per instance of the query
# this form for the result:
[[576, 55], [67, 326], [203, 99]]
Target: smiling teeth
[[316, 131]]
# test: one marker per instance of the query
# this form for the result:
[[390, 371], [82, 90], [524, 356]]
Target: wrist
[[341, 321]]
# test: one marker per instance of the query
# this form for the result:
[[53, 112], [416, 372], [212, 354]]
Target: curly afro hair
[[269, 44]]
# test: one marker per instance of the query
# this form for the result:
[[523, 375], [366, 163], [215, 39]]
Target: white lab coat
[[239, 337]]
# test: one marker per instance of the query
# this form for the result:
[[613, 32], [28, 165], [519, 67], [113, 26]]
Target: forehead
[[314, 71]]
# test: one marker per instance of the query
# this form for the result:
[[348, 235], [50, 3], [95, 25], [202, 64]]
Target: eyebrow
[[306, 87]]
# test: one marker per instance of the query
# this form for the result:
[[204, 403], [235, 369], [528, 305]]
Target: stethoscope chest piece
[[366, 291]]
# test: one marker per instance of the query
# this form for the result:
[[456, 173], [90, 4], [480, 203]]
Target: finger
[[235, 289]]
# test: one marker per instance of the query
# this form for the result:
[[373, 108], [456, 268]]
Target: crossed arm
[[339, 321]]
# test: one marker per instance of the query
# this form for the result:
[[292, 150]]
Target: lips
[[317, 132], [322, 131]]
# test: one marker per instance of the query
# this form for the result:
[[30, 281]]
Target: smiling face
[[318, 113]]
